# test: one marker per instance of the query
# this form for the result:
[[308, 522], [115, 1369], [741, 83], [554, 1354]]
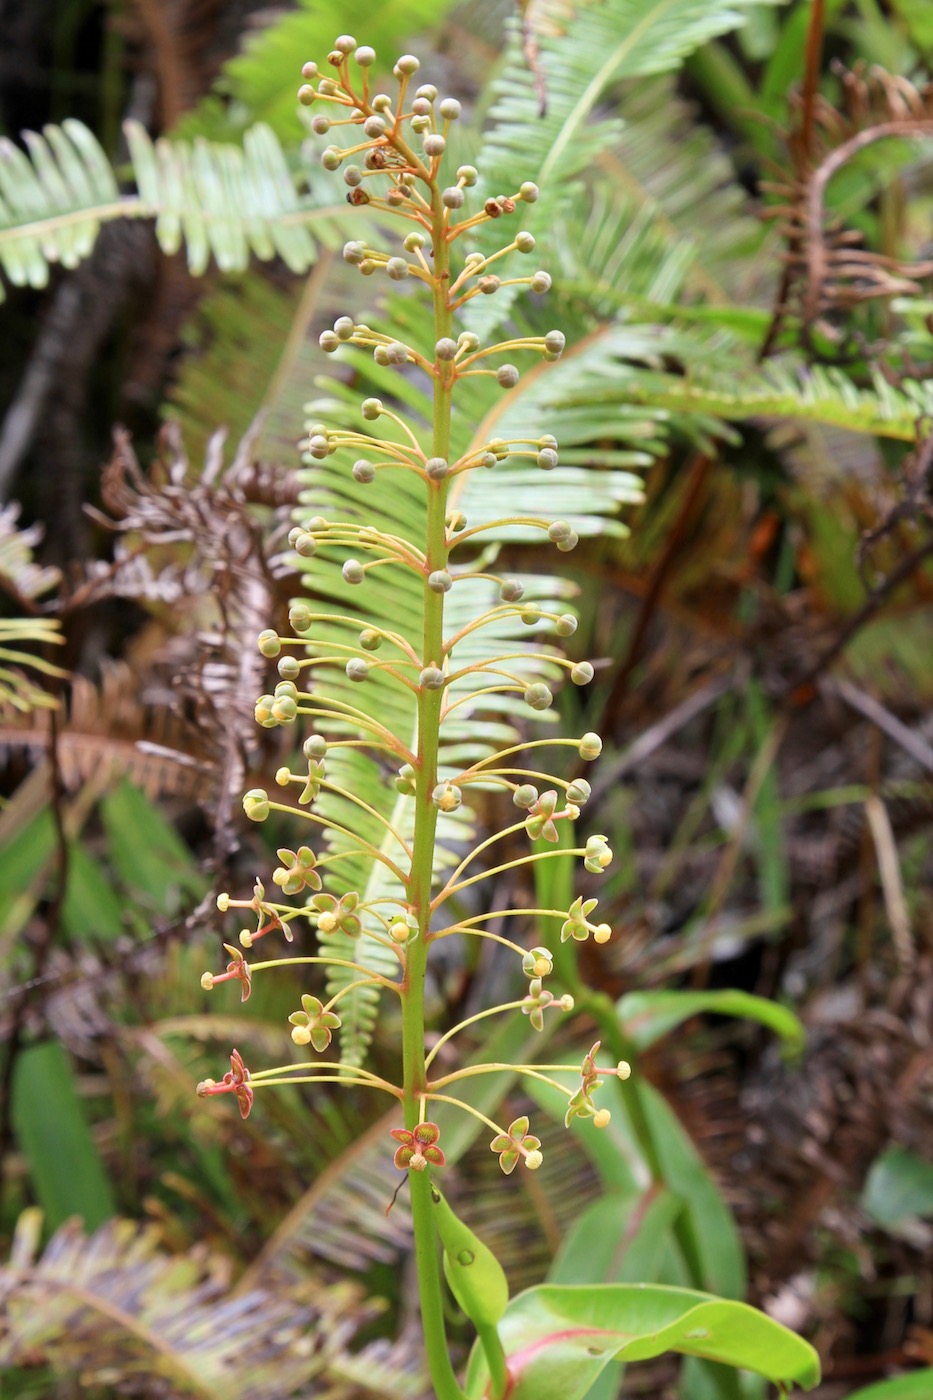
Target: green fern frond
[[221, 200], [594, 47]]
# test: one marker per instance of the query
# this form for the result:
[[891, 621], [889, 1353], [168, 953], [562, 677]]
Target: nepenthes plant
[[439, 711]]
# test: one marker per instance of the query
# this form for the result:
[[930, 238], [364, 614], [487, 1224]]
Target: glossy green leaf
[[916, 1385], [624, 1237], [898, 1189], [559, 1339], [51, 1129], [648, 1016]]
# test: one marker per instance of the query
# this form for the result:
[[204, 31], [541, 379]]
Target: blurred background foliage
[[764, 684]]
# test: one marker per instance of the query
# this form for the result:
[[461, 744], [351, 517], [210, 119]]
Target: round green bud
[[436, 468], [286, 690], [582, 673], [381, 355], [262, 711], [554, 342], [371, 409], [283, 776], [525, 242], [382, 102], [357, 669], [289, 668], [414, 241], [327, 87], [489, 284], [353, 252], [370, 639], [374, 127], [434, 144], [528, 192], [306, 95], [541, 281], [365, 56], [445, 349], [525, 796], [538, 696], [405, 782], [488, 460], [353, 176], [566, 625], [344, 327], [304, 544], [590, 746], [547, 459], [406, 66], [309, 70], [579, 792], [548, 440], [268, 643], [558, 530], [453, 197], [368, 267], [285, 711], [449, 109], [569, 542], [468, 174], [363, 471], [318, 446], [256, 804], [331, 158], [427, 90], [431, 678], [440, 581], [511, 590], [345, 43], [447, 797], [507, 376], [397, 353], [421, 107], [299, 617], [420, 123], [530, 614], [399, 931], [397, 268], [353, 571], [320, 124]]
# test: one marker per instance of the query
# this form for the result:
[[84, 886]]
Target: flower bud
[[538, 963], [421, 122], [428, 91], [285, 709], [554, 343], [328, 343], [445, 349], [507, 376], [579, 792], [370, 639], [374, 127], [598, 855], [530, 614], [365, 56], [582, 673], [558, 530], [405, 781], [434, 144], [590, 746], [397, 269], [331, 157], [436, 468], [511, 590], [399, 931], [289, 668], [407, 65], [368, 267], [345, 44], [357, 669], [363, 471], [314, 747], [488, 285], [468, 174], [306, 95], [568, 542], [525, 242], [446, 797], [431, 678], [299, 617], [538, 696], [256, 804], [344, 327], [467, 341], [371, 409], [320, 124], [354, 252], [283, 777], [566, 625], [528, 192], [309, 70], [547, 459], [353, 571], [525, 796], [449, 109], [541, 281], [268, 643], [413, 241], [453, 197], [262, 711], [327, 87], [440, 581]]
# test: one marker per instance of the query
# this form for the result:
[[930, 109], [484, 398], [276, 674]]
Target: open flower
[[235, 1081], [581, 1103], [517, 1142], [539, 823], [313, 1025], [297, 870], [418, 1147], [535, 1002], [337, 915]]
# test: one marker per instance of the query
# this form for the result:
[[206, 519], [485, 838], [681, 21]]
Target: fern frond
[[594, 47], [221, 200]]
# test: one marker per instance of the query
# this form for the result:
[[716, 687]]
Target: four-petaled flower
[[577, 924], [539, 823], [581, 1103], [517, 1142], [313, 1025], [418, 1147], [297, 870], [338, 915], [235, 1081]]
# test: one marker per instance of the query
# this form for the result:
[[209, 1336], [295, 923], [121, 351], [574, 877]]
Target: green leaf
[[92, 910], [917, 1385], [648, 1016], [147, 852], [51, 1128], [898, 1189], [624, 1237], [559, 1339]]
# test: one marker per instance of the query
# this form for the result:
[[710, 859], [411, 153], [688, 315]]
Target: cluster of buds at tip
[[235, 1081], [577, 924], [418, 1148], [580, 1104]]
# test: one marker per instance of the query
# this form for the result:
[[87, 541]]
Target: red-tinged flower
[[418, 1147], [517, 1142], [235, 1081], [580, 1104], [237, 968]]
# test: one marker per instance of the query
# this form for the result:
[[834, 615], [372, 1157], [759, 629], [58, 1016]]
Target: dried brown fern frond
[[829, 271], [115, 1309]]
